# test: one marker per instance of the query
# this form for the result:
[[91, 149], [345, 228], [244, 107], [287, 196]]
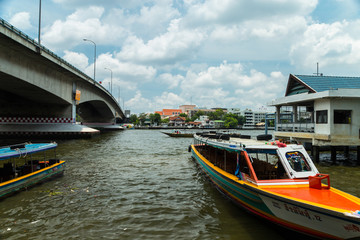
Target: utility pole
[[317, 70]]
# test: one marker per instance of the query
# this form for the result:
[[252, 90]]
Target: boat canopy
[[24, 149]]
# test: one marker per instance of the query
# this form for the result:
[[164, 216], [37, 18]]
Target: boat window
[[267, 165], [297, 161]]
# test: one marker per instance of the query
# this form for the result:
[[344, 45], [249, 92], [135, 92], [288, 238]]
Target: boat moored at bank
[[180, 133], [23, 165], [279, 183]]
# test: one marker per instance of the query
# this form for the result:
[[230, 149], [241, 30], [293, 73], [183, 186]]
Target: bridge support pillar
[[73, 110]]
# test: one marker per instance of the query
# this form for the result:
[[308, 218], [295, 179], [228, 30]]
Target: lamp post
[[94, 54], [39, 22], [110, 79]]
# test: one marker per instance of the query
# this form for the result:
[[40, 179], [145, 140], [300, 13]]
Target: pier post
[[315, 152], [312, 151], [346, 152], [333, 154], [358, 155]]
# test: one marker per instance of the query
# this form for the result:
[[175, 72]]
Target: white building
[[235, 111], [252, 118], [330, 113]]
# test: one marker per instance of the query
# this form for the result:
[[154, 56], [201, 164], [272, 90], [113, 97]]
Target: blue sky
[[212, 53]]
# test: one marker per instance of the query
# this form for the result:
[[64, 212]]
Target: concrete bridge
[[38, 88]]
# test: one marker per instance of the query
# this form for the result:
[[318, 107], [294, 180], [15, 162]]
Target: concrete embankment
[[49, 131]]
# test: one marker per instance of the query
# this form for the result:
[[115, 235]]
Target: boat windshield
[[266, 164], [298, 161]]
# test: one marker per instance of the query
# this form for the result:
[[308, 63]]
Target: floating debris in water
[[53, 193]]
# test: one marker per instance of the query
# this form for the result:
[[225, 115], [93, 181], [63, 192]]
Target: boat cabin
[[23, 159], [256, 160]]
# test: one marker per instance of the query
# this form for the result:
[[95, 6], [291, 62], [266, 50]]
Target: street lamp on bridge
[[94, 54], [110, 78]]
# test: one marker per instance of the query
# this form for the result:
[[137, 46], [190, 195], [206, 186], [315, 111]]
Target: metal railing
[[295, 127]]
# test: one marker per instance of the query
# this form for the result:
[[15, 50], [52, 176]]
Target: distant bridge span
[[35, 83]]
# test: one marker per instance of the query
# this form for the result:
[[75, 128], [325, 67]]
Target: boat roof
[[242, 144], [24, 149]]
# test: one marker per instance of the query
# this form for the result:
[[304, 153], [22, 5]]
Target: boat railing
[[221, 140], [15, 146], [295, 127]]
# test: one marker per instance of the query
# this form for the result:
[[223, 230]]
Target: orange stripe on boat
[[335, 199]]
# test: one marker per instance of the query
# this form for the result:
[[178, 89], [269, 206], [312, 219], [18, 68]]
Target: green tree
[[165, 120], [197, 115], [133, 119], [152, 118], [217, 115], [230, 122], [142, 118], [183, 115], [241, 119], [157, 118]]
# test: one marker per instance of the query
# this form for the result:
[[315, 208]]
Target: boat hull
[[181, 135], [23, 182], [295, 215]]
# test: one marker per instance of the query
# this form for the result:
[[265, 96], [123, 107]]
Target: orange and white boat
[[279, 183]]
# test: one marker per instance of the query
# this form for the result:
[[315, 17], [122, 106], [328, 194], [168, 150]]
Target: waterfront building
[[193, 124], [186, 108], [235, 111], [321, 111], [252, 118], [218, 123], [177, 121], [169, 113], [206, 111]]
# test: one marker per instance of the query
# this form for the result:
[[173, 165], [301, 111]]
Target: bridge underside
[[95, 112], [21, 99]]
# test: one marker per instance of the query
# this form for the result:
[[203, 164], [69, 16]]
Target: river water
[[137, 184]]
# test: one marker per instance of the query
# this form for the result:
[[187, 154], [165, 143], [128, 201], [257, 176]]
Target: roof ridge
[[325, 76]]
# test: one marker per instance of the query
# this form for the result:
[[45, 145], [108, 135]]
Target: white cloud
[[84, 23], [173, 46], [335, 46], [79, 60], [169, 100], [138, 103], [228, 85], [231, 11], [21, 20], [170, 80], [126, 70]]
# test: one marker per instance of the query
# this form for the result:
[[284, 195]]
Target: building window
[[321, 116], [342, 116]]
